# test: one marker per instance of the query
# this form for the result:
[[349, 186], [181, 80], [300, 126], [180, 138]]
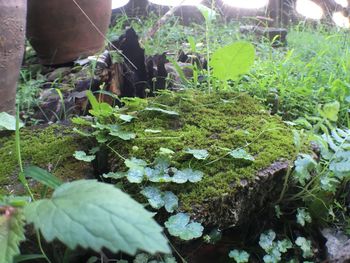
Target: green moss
[[213, 122], [50, 148]]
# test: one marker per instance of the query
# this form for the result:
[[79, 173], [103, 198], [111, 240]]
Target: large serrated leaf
[[96, 215], [11, 233], [232, 61]]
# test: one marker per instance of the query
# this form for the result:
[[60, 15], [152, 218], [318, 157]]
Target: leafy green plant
[[240, 256], [179, 225]]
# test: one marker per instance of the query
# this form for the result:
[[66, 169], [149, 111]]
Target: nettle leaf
[[180, 226], [303, 165], [232, 61], [96, 215], [168, 112], [11, 233], [198, 154], [82, 156], [241, 154], [154, 196], [240, 256], [8, 122], [330, 110], [42, 176]]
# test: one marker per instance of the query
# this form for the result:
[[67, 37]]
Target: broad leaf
[[180, 226], [11, 233], [96, 215], [126, 118], [42, 176], [232, 61], [8, 122], [198, 154], [82, 156]]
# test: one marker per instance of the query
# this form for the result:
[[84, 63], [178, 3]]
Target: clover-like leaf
[[198, 154], [135, 163], [241, 154], [11, 233], [303, 216], [240, 256], [305, 246], [303, 165], [96, 215], [82, 156], [180, 226], [154, 196], [266, 240]]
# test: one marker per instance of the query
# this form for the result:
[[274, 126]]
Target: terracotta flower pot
[[12, 36], [60, 32]]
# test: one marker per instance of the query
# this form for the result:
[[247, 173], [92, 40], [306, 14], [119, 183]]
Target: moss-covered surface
[[214, 122], [50, 147]]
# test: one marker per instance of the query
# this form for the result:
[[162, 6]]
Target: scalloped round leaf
[[171, 201], [96, 215], [135, 163], [154, 196], [241, 154], [179, 177], [198, 154], [179, 226], [82, 156], [135, 175], [192, 175]]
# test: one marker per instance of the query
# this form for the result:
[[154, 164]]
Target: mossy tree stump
[[218, 122]]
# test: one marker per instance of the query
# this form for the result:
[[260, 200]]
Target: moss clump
[[51, 148], [214, 122]]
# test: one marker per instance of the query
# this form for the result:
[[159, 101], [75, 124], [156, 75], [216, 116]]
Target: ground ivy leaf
[[11, 233], [154, 196], [126, 118], [174, 113], [82, 156], [135, 163], [171, 201], [303, 165], [124, 135], [198, 154], [8, 122], [96, 215], [117, 175], [241, 154], [179, 177], [179, 225], [135, 175], [193, 176]]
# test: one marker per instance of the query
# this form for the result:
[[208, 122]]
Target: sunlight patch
[[252, 4], [119, 3], [340, 20], [176, 2], [343, 3], [309, 9]]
